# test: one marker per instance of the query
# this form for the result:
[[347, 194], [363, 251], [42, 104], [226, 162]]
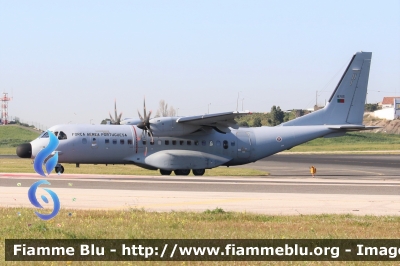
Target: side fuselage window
[[225, 144], [107, 141], [122, 141]]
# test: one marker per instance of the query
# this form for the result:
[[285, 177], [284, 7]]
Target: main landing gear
[[182, 172], [196, 172], [165, 172]]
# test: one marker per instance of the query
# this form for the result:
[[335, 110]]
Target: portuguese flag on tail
[[340, 100]]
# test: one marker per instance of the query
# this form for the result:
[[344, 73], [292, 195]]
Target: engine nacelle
[[168, 127], [131, 121]]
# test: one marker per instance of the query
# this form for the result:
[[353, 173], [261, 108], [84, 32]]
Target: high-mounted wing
[[212, 120]]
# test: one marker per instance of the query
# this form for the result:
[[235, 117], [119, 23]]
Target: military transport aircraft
[[196, 143]]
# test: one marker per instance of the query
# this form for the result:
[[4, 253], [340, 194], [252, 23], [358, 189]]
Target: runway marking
[[375, 173], [349, 170], [304, 202], [298, 182], [269, 203]]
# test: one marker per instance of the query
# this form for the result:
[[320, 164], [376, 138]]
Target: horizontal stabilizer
[[352, 127]]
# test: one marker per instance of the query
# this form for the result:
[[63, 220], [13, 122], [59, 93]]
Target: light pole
[[242, 103], [237, 102], [209, 108], [316, 98]]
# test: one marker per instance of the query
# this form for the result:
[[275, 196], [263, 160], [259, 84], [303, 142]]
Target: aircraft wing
[[212, 120], [352, 127]]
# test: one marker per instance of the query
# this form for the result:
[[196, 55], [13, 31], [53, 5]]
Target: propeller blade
[[151, 135], [144, 108], [115, 108], [119, 118], [140, 116], [145, 123], [111, 118]]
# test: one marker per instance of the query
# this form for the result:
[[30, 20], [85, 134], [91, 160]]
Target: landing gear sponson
[[196, 172]]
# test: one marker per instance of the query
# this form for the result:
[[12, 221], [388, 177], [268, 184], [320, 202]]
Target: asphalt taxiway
[[357, 184], [334, 165]]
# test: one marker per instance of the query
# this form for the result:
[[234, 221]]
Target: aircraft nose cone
[[24, 150]]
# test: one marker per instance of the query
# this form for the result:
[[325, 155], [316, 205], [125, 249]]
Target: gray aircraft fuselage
[[123, 144]]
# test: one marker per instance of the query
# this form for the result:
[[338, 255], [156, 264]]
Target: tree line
[[275, 117]]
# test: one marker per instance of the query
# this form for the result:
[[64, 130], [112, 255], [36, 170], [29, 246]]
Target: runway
[[335, 166], [357, 184]]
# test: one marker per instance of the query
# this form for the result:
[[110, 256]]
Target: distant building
[[387, 102], [390, 108]]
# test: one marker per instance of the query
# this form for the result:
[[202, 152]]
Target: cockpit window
[[44, 135], [62, 135]]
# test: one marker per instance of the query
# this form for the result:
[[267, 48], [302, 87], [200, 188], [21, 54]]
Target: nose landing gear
[[59, 168]]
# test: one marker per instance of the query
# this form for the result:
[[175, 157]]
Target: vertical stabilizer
[[346, 105]]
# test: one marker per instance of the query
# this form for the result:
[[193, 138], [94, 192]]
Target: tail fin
[[346, 105]]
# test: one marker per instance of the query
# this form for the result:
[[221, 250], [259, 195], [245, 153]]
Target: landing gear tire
[[182, 172], [59, 168], [165, 172], [198, 171]]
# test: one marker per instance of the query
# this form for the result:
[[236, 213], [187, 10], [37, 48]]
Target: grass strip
[[22, 223]]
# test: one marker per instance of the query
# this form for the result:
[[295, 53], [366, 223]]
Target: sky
[[67, 61]]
